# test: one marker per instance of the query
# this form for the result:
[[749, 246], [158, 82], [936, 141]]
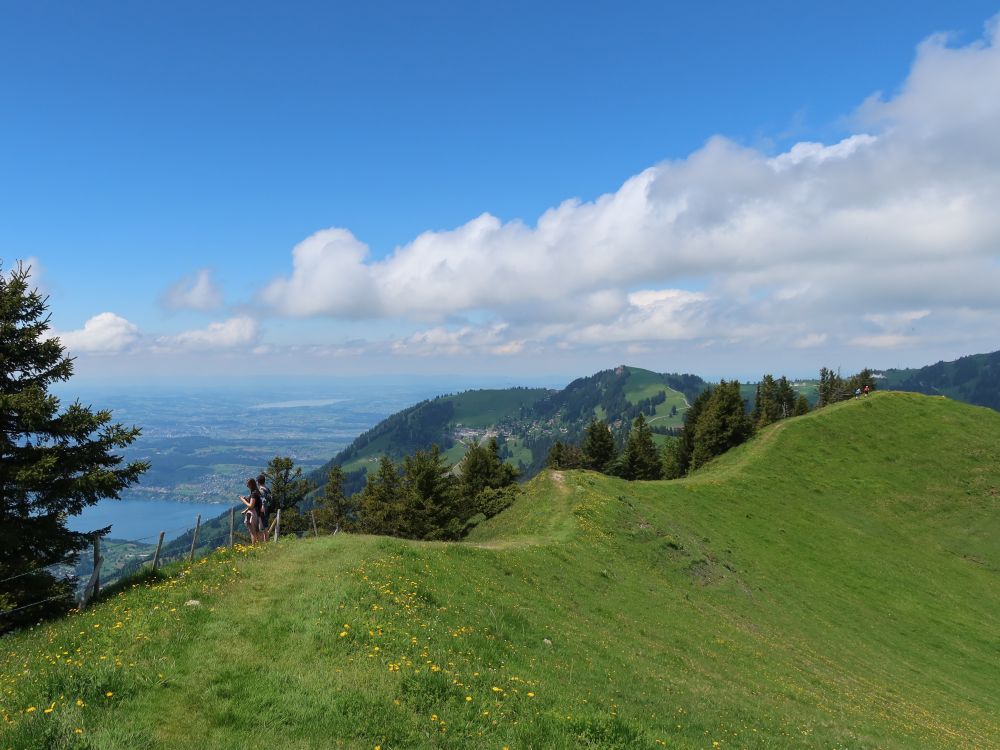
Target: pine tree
[[487, 484], [598, 446], [775, 399], [288, 486], [381, 503], [641, 460], [53, 463], [481, 468], [431, 509], [768, 407], [786, 398], [685, 445], [335, 510], [824, 387], [670, 460], [723, 424]]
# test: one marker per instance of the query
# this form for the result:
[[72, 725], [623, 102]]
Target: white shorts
[[252, 520]]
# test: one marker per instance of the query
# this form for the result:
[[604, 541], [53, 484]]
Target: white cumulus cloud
[[105, 332], [823, 243]]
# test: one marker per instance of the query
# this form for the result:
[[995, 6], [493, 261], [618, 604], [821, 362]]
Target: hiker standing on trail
[[265, 496], [857, 393], [251, 515], [867, 390]]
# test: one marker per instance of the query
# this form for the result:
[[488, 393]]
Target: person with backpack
[[265, 496], [251, 516]]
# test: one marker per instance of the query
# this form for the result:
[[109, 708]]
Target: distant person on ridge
[[253, 510], [857, 393], [265, 496], [867, 390]]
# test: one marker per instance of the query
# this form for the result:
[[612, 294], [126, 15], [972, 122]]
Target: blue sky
[[145, 144]]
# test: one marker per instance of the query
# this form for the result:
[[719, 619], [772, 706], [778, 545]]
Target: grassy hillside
[[834, 583], [526, 421], [643, 384], [974, 379], [428, 423]]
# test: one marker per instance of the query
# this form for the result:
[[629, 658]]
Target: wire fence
[[75, 560], [31, 571], [81, 571], [188, 545]]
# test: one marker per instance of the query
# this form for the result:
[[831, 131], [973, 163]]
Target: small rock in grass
[[546, 641], [192, 603]]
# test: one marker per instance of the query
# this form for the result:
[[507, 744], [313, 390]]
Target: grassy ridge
[[531, 419], [832, 583]]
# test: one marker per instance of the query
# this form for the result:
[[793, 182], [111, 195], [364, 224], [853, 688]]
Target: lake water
[[144, 519], [299, 403]]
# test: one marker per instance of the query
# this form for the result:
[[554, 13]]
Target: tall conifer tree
[[381, 503], [288, 486], [640, 459], [684, 449], [722, 425], [598, 446], [53, 463], [431, 497], [335, 510]]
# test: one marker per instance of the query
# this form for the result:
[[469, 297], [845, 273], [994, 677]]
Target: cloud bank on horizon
[[888, 238]]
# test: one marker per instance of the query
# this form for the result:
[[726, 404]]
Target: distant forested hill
[[525, 421], [974, 379]]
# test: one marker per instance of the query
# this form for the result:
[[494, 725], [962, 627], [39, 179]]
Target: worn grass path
[[833, 583]]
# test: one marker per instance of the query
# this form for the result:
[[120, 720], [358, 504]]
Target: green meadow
[[833, 583]]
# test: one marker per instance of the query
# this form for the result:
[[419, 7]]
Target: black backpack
[[265, 500]]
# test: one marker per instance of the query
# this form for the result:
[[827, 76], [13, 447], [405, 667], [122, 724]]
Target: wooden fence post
[[97, 564], [194, 538], [277, 526], [313, 514], [93, 586], [156, 557], [232, 525]]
